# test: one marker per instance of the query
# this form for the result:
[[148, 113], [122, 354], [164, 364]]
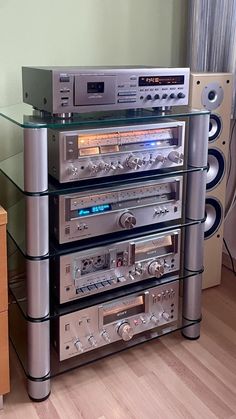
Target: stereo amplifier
[[121, 319], [86, 153], [87, 89], [105, 268], [91, 214]]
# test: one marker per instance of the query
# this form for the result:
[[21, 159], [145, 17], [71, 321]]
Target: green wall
[[87, 32]]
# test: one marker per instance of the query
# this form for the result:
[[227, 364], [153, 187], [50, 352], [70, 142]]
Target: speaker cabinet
[[213, 91]]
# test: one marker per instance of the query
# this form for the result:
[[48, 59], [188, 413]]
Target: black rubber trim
[[187, 337], [217, 154], [40, 400]]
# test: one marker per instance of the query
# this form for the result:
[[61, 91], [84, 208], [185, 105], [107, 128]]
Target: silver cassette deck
[[109, 267]]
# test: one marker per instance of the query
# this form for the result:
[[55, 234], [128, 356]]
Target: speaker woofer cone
[[215, 168], [214, 217], [215, 127]]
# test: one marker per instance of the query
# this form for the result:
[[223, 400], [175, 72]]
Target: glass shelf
[[12, 168], [25, 116], [18, 338], [16, 232], [17, 287]]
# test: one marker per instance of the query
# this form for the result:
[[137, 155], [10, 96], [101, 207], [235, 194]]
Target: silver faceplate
[[100, 325]]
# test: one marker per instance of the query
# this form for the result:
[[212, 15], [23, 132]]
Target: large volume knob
[[127, 220], [125, 331], [156, 269], [175, 157], [134, 162]]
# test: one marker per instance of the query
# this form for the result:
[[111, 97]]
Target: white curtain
[[212, 37]]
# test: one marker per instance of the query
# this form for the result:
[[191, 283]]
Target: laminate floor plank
[[169, 378]]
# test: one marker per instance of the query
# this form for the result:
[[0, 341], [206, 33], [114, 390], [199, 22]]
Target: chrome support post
[[194, 235], [37, 270]]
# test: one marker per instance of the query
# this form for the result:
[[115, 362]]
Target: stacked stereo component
[[135, 201], [114, 207]]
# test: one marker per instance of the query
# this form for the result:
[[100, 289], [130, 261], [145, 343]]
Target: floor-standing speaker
[[213, 91]]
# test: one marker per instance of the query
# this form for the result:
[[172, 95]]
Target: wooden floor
[[167, 378]]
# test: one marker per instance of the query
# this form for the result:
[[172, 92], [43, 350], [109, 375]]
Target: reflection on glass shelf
[[13, 168], [16, 232], [16, 223], [26, 117], [18, 290], [18, 335]]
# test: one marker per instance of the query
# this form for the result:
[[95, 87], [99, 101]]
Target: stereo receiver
[[85, 153], [87, 89], [108, 210], [120, 319], [100, 269]]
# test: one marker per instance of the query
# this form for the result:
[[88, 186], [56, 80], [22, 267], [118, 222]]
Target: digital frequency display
[[160, 80], [94, 210]]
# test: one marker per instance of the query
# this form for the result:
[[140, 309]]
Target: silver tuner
[[166, 265], [92, 341], [113, 167], [78, 346], [125, 331], [127, 220], [120, 166]]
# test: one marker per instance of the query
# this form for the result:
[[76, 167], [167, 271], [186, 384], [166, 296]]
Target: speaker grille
[[214, 216], [215, 168], [215, 127]]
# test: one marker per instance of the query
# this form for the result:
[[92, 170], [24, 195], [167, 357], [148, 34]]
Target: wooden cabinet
[[4, 346]]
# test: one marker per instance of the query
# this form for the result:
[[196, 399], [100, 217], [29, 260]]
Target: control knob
[[92, 341], [154, 319], [165, 316], [134, 162], [175, 157], [127, 220], [156, 97], [93, 167], [164, 96], [106, 337], [156, 269], [181, 95], [149, 97], [125, 331], [102, 165], [172, 96], [79, 346], [160, 158], [74, 171]]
